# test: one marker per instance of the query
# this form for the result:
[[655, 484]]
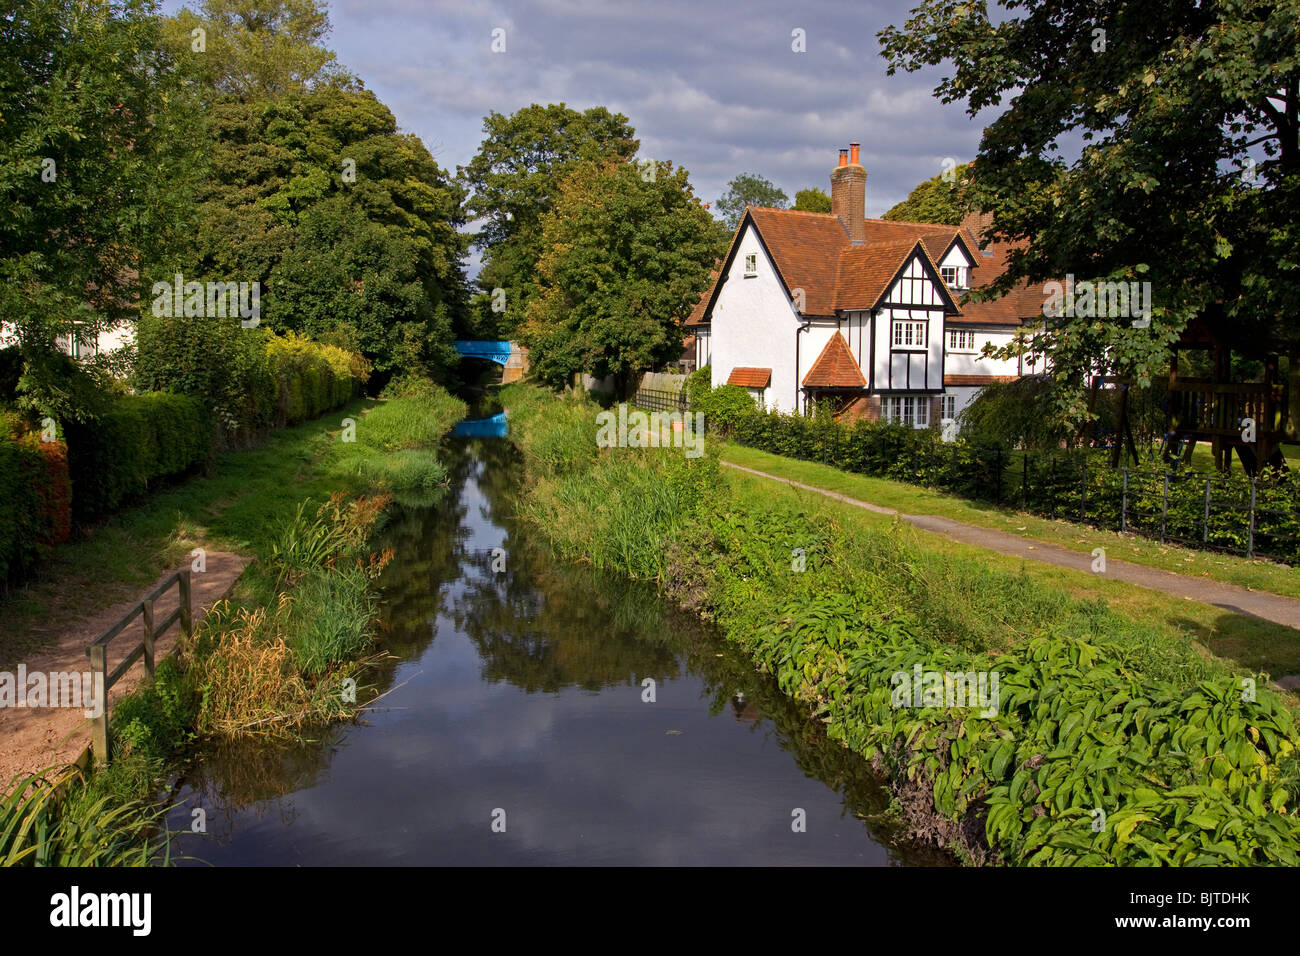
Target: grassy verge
[[1114, 740], [912, 499], [287, 649], [240, 505]]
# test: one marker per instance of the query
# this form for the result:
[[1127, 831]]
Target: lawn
[[1259, 575]]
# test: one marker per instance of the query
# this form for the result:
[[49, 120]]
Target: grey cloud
[[712, 86]]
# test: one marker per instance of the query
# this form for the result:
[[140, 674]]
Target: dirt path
[[38, 738], [1229, 597]]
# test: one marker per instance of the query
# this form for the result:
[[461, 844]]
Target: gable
[[824, 274]]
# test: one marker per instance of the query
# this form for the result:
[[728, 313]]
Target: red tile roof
[[697, 313], [812, 252], [867, 271], [805, 247], [835, 367], [1022, 302], [750, 377]]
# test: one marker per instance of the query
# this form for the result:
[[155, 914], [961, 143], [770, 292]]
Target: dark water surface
[[521, 691]]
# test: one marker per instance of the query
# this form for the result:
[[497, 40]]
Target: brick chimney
[[849, 194]]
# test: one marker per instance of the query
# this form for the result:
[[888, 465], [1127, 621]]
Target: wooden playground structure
[[1250, 418]]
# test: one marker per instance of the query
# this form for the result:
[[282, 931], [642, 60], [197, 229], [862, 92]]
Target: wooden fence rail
[[98, 650]]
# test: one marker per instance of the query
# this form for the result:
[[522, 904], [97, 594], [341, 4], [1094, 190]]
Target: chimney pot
[[853, 154], [844, 157]]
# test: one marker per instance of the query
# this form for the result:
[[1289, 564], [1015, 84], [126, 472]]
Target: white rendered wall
[[754, 323], [971, 363]]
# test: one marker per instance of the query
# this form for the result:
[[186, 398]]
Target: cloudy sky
[[711, 85]]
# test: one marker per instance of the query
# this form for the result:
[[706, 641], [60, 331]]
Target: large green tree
[[514, 180], [98, 143], [256, 48], [748, 189], [1188, 175], [812, 200], [938, 199], [628, 250], [349, 224]]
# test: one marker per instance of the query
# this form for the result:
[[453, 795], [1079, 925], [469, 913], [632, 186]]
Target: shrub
[[214, 360], [249, 378], [311, 378], [724, 407], [138, 440], [698, 384], [22, 524]]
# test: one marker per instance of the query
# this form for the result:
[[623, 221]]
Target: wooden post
[[1121, 427], [147, 608], [187, 604], [99, 725]]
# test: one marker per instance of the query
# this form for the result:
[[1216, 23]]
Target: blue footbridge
[[511, 356]]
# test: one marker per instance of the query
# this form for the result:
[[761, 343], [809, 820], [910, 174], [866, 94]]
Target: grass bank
[[287, 650], [1259, 575], [1113, 739]]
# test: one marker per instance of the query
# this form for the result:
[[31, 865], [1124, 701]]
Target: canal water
[[516, 724]]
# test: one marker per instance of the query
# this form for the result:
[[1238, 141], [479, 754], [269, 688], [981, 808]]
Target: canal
[[535, 712]]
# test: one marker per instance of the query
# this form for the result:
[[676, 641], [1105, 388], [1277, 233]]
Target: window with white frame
[[949, 274], [961, 340], [757, 395], [751, 265], [947, 407], [913, 410], [910, 335]]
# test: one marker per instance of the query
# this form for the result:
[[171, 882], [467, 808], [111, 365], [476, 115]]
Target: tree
[[514, 180], [255, 49], [349, 225], [98, 150], [812, 200], [748, 189], [628, 250], [1188, 176], [938, 199]]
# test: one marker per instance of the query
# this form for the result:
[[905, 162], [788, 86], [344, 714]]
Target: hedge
[[138, 440], [310, 378], [36, 491], [250, 379], [1078, 485]]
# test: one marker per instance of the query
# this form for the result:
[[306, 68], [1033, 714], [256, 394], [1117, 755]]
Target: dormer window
[[951, 275]]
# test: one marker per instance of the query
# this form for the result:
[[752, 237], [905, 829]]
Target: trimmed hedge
[[36, 491], [250, 379], [20, 526], [310, 378], [138, 440], [1077, 485]]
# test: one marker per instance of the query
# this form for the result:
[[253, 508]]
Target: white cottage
[[862, 312]]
